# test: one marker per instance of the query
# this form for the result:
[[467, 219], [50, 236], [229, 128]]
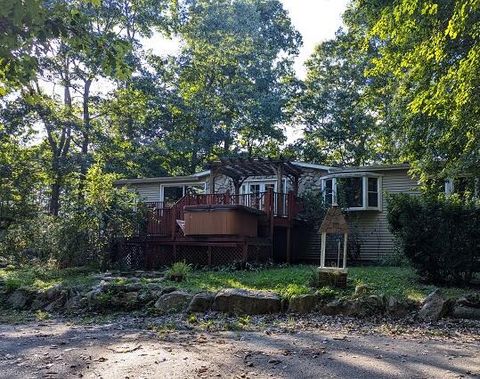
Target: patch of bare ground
[[255, 347]]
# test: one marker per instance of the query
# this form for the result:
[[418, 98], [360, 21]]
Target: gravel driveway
[[59, 349]]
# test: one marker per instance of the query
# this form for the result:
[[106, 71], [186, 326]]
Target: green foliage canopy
[[428, 54]]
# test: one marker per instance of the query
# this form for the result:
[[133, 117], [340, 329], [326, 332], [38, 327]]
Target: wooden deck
[[165, 241], [279, 210]]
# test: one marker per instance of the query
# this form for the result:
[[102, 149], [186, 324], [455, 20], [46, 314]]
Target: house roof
[[313, 165], [334, 221], [197, 177], [370, 168], [200, 176]]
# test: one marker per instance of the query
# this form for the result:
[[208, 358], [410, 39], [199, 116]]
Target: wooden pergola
[[239, 169]]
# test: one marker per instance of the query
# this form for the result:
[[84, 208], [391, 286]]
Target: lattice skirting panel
[[157, 255], [131, 255], [259, 253], [152, 255]]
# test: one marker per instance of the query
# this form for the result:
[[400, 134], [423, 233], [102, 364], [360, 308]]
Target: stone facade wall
[[309, 181]]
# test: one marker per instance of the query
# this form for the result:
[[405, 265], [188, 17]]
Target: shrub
[[314, 207], [179, 271], [85, 231], [440, 236]]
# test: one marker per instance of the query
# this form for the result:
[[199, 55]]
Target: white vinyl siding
[[148, 192], [371, 228]]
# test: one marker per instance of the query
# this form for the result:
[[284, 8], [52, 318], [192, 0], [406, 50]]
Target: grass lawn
[[43, 278], [286, 281], [295, 280]]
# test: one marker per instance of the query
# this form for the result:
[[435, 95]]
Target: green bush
[[440, 236], [179, 271], [83, 234]]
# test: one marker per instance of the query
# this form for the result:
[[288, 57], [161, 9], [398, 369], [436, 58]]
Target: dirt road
[[58, 349]]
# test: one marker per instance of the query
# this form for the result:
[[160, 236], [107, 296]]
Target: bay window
[[359, 191]]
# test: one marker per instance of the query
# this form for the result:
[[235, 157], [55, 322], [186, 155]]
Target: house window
[[172, 194], [466, 187], [259, 186], [372, 192], [328, 191], [254, 188], [359, 192], [350, 192]]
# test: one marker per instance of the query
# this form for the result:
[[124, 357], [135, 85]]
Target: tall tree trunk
[[86, 138], [61, 148], [55, 198]]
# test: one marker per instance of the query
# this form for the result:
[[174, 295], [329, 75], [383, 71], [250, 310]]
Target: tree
[[98, 46], [428, 54], [33, 111], [103, 51], [232, 77], [20, 175], [334, 106], [25, 27]]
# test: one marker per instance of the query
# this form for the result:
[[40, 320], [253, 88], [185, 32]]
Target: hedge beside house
[[440, 236]]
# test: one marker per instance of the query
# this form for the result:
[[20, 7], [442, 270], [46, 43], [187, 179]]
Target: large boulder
[[337, 307], [462, 311], [19, 299], [467, 307], [434, 307], [74, 302], [201, 302], [39, 302], [367, 306], [303, 303], [54, 298], [397, 308], [173, 302], [55, 292], [125, 300], [246, 302], [472, 300], [56, 304]]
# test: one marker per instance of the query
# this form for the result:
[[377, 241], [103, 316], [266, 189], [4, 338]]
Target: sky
[[317, 21]]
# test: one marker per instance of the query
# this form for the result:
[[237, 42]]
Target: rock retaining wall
[[160, 299]]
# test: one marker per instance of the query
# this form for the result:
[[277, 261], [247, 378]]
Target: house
[[184, 210]]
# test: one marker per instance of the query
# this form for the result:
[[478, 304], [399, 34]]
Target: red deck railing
[[162, 219]]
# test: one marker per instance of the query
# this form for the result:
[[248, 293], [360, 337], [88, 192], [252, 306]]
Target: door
[[254, 192], [171, 194]]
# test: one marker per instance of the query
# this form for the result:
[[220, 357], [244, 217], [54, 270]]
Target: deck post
[[173, 222], [345, 243], [323, 248], [289, 243], [211, 181], [237, 184], [296, 185], [279, 173]]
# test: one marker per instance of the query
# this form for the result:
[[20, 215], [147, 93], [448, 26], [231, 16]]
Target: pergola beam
[[239, 169]]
